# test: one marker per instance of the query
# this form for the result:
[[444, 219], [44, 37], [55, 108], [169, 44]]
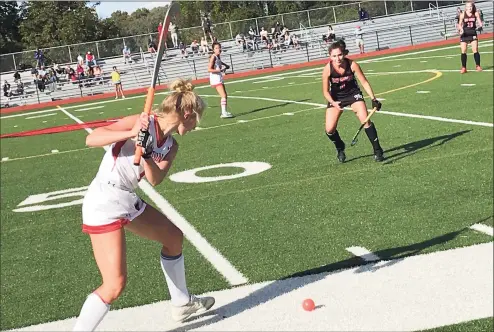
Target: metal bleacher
[[379, 33]]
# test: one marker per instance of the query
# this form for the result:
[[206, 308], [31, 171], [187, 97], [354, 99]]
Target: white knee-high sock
[[174, 269], [92, 312], [223, 105]]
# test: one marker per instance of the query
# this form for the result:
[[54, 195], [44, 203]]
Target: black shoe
[[341, 154], [379, 156]]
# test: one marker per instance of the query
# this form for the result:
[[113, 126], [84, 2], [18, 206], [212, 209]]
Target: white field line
[[427, 57], [409, 115], [483, 229], [39, 116], [217, 260], [47, 154], [88, 108], [363, 253], [486, 43], [395, 296], [27, 113]]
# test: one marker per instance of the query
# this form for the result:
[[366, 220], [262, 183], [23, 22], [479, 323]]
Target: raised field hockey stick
[[173, 10], [354, 139]]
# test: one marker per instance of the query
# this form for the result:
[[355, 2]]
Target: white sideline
[[409, 294], [483, 229], [363, 253], [217, 260], [39, 116], [409, 115]]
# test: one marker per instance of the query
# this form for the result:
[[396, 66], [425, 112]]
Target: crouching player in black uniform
[[341, 89], [468, 23]]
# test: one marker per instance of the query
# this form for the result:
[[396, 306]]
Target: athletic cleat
[[463, 70], [341, 154], [378, 156], [196, 305], [478, 68], [226, 115]]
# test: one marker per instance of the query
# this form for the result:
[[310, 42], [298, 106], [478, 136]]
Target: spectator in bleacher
[[252, 33], [362, 14], [204, 45], [152, 46], [40, 58], [174, 34], [41, 84], [90, 60], [276, 30], [20, 88], [72, 75], [330, 35], [295, 42], [207, 27], [264, 35], [17, 76], [116, 79], [34, 74], [98, 73], [79, 71], [160, 28], [183, 49], [359, 39], [51, 80], [194, 46], [6, 89], [126, 54], [80, 60], [41, 73]]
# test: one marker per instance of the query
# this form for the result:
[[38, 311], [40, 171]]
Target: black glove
[[145, 140], [376, 104]]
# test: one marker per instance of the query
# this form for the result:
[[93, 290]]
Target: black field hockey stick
[[355, 139]]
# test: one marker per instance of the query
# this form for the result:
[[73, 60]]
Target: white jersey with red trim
[[216, 78], [117, 166]]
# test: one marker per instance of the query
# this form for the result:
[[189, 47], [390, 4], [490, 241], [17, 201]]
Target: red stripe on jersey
[[105, 228]]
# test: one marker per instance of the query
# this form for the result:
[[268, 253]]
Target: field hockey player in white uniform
[[216, 69], [111, 205]]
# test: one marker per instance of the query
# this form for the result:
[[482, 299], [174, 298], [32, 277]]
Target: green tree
[[10, 39]]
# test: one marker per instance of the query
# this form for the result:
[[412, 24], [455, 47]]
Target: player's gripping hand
[[376, 104], [145, 140], [336, 104]]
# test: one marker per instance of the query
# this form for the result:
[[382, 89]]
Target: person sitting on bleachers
[[20, 88], [98, 73], [41, 73], [17, 76], [204, 45], [152, 46], [90, 59], [330, 35], [126, 54], [252, 33], [80, 71], [72, 76], [183, 49], [80, 60], [194, 46], [295, 42], [264, 36]]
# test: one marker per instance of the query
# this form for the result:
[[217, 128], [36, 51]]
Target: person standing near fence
[[359, 39], [173, 32]]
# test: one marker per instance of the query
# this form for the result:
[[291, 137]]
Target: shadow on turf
[[280, 287], [405, 150], [267, 107]]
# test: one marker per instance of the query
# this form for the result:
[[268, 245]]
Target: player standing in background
[[111, 203], [216, 68], [468, 23], [340, 88]]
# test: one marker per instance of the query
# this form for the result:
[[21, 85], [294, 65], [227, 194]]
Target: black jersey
[[469, 25], [344, 85]]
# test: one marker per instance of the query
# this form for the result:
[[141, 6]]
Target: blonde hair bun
[[181, 85]]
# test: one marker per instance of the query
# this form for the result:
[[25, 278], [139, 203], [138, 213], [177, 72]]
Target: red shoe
[[478, 68], [463, 70]]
